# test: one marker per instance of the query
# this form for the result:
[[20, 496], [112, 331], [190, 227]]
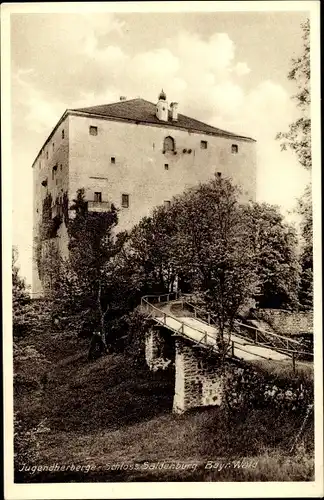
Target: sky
[[228, 69]]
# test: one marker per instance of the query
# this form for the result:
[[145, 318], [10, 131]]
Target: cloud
[[242, 69]]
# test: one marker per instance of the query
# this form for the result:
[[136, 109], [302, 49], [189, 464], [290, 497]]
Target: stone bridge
[[184, 336]]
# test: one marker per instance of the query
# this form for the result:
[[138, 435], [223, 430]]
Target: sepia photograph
[[162, 201]]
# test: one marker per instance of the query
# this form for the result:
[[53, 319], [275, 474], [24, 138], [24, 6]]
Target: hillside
[[113, 411]]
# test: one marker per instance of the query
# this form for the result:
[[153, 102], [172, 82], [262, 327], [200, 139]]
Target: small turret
[[162, 107]]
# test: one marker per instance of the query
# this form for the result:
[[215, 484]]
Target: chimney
[[122, 98], [174, 111]]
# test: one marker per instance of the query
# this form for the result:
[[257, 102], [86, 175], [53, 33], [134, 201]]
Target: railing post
[[233, 348], [208, 318], [256, 336], [164, 316], [294, 362], [195, 310], [182, 328], [168, 297], [159, 298]]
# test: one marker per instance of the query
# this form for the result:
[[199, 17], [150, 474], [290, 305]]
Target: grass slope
[[113, 412]]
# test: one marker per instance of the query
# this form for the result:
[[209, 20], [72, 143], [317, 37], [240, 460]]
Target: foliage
[[275, 247], [83, 289], [306, 258], [251, 387], [298, 138], [20, 296], [151, 251], [19, 288], [211, 243], [213, 248]]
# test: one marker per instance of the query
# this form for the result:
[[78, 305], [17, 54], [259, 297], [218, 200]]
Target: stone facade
[[286, 322], [159, 354], [111, 158], [198, 380]]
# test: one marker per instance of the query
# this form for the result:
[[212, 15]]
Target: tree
[[298, 137], [19, 288], [83, 289], [151, 252], [276, 259], [213, 250], [306, 257], [201, 240], [20, 297]]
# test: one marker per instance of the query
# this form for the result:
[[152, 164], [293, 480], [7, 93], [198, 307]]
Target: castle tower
[[162, 107]]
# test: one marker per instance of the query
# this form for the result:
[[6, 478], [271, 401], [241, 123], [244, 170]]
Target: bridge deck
[[194, 329], [171, 311]]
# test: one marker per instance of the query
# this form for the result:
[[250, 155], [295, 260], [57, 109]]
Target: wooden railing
[[258, 337], [206, 340]]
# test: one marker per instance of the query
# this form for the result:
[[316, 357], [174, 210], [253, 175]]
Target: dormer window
[[168, 144], [203, 144], [234, 149]]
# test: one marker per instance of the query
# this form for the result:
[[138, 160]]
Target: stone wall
[[286, 322], [139, 163], [158, 354], [198, 381], [201, 381]]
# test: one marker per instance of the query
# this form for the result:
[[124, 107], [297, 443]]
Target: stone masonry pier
[[198, 381]]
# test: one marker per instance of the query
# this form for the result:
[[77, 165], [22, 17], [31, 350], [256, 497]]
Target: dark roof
[[142, 111]]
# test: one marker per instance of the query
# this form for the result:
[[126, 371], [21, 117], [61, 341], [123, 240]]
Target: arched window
[[168, 144]]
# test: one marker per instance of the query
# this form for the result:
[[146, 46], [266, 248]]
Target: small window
[[53, 146], [93, 130], [166, 166], [125, 200], [219, 174], [62, 134], [234, 149], [113, 160], [97, 197], [61, 167], [167, 204], [203, 144]]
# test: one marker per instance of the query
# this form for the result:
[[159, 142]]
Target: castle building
[[134, 154]]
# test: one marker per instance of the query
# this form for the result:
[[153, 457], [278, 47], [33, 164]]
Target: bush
[[250, 387]]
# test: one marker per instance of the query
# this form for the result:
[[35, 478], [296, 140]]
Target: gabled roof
[[142, 111]]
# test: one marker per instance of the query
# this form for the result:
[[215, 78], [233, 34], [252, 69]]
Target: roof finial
[[162, 96]]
